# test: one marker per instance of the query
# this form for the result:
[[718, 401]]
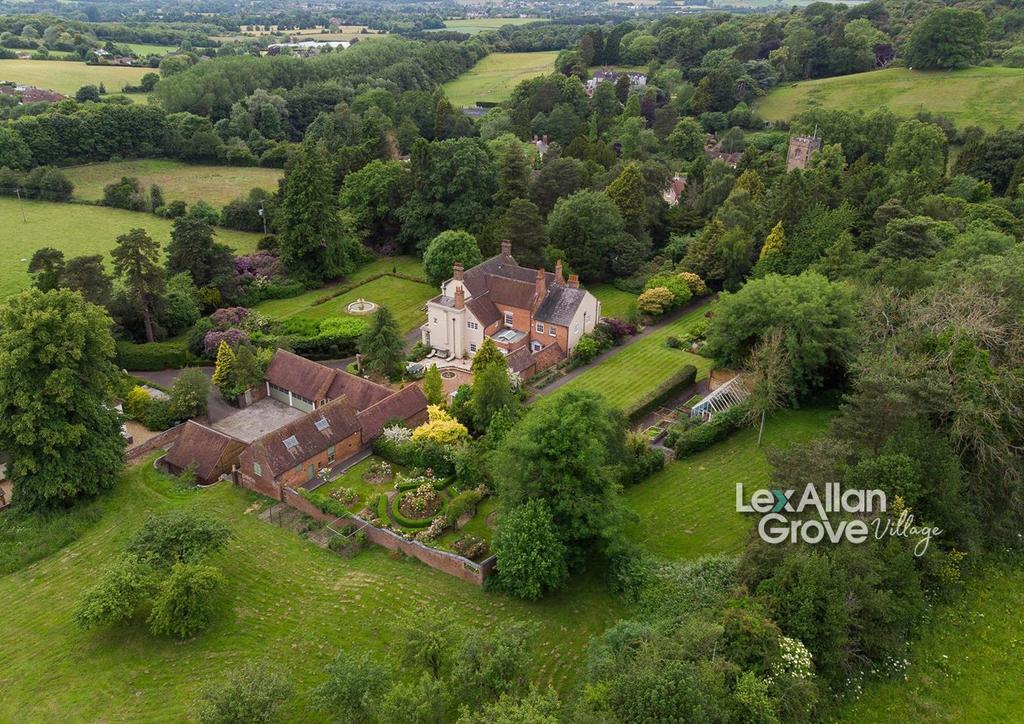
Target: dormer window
[[509, 319]]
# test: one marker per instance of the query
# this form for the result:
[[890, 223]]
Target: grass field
[[403, 297], [494, 77], [968, 665], [637, 369], [217, 185], [689, 508], [614, 302], [986, 97], [289, 601], [478, 25], [76, 229], [150, 49], [67, 77]]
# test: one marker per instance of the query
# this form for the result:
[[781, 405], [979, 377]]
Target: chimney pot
[[457, 271], [460, 297], [506, 248], [574, 281], [541, 289], [559, 279]]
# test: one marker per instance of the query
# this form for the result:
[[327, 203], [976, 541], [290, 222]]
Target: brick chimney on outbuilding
[[460, 297], [506, 248], [574, 281], [457, 271], [541, 288], [559, 279]]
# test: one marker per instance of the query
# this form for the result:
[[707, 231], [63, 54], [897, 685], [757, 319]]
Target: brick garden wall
[[450, 563], [159, 442]]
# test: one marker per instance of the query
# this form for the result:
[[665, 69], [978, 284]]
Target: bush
[[154, 356], [179, 536], [250, 694], [692, 440], [531, 557], [673, 342], [664, 392], [587, 348], [48, 184], [124, 194], [462, 503], [117, 594], [655, 302], [184, 603]]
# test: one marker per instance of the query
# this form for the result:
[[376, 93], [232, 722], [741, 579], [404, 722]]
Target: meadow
[[986, 97], [689, 509], [967, 667], [472, 26], [404, 297], [76, 229], [217, 185], [494, 77], [636, 370], [67, 77], [287, 600]]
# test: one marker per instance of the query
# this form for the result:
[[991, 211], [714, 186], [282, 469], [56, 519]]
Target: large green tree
[[57, 379], [193, 249], [947, 38], [381, 346], [314, 242], [137, 266], [523, 226], [588, 227], [444, 250], [373, 195]]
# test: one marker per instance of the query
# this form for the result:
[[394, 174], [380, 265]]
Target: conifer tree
[[433, 387], [381, 346], [225, 373]]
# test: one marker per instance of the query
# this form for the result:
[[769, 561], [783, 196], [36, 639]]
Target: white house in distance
[[535, 317]]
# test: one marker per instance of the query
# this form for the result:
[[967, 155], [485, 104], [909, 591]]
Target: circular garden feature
[[361, 306]]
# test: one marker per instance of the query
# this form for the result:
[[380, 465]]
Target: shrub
[[696, 285], [441, 428], [48, 184], [587, 348], [531, 557], [664, 392], [125, 194], [117, 594], [154, 356], [250, 694], [351, 688], [673, 283], [179, 536], [471, 547], [184, 603], [462, 503], [702, 436], [673, 342], [655, 302]]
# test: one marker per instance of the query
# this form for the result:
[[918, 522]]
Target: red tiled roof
[[202, 448], [341, 422], [361, 393], [301, 376], [403, 404], [548, 356]]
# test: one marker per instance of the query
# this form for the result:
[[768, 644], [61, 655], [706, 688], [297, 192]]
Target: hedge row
[[345, 288], [701, 437], [155, 356], [663, 393], [325, 503], [410, 522]]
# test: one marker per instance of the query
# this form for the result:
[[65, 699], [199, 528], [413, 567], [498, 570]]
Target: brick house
[[517, 307], [344, 415], [208, 452]]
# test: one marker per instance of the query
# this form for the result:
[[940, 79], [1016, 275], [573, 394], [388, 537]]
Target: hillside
[[986, 97], [494, 77]]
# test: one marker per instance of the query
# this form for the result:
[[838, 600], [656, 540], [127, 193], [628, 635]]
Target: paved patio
[[257, 420]]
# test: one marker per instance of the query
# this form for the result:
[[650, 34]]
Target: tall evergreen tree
[[225, 372], [137, 265], [381, 346], [192, 249], [433, 386], [627, 191]]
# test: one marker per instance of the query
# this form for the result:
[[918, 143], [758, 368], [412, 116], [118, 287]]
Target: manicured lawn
[[689, 508], [289, 601], [636, 370], [967, 667], [353, 479], [403, 297], [76, 229], [986, 97], [150, 49], [478, 25], [614, 302], [494, 77], [216, 185], [66, 76]]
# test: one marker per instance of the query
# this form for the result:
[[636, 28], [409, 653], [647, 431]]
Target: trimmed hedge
[[325, 503], [155, 356], [701, 437], [412, 522], [462, 503], [664, 392], [382, 506]]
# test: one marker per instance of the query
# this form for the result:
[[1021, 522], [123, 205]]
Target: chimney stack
[[541, 286], [460, 297], [457, 271], [559, 279], [574, 281], [506, 248]]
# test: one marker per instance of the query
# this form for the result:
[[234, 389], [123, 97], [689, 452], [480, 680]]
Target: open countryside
[[216, 185], [493, 78], [77, 229], [66, 77], [987, 97], [478, 25]]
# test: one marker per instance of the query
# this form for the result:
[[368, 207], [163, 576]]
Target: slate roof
[[341, 423], [484, 310], [405, 403], [202, 448], [560, 305]]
